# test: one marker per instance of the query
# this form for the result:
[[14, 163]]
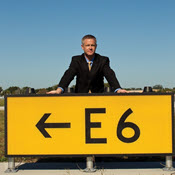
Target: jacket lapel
[[84, 63], [95, 64]]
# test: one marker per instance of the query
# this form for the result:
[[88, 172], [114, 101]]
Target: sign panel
[[89, 124]]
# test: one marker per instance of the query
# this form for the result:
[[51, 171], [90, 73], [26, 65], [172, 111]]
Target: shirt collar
[[88, 60]]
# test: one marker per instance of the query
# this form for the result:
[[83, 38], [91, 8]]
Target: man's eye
[[90, 45]]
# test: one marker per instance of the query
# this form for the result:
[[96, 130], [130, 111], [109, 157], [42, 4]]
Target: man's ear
[[82, 46]]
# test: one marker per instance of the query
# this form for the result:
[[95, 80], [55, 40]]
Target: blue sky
[[39, 37]]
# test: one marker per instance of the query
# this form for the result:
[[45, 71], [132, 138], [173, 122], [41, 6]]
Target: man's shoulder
[[101, 57], [77, 57]]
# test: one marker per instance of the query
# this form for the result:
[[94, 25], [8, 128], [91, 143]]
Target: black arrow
[[41, 125]]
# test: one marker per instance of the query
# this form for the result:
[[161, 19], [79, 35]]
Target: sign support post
[[11, 165], [89, 165], [169, 164]]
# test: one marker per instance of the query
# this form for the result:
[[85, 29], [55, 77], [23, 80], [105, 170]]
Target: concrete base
[[11, 170], [168, 169], [89, 170]]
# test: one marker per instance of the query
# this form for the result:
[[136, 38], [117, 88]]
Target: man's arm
[[122, 91], [111, 78], [57, 91]]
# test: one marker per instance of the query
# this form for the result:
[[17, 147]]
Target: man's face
[[89, 47]]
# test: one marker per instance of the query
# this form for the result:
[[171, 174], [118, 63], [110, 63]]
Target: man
[[90, 69]]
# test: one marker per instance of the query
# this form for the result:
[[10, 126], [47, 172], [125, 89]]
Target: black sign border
[[92, 94]]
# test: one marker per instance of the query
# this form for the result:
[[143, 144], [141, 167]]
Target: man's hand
[[58, 91], [122, 91]]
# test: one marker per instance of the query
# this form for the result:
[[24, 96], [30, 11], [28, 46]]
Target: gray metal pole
[[11, 165], [169, 164], [108, 89], [69, 90], [89, 162], [89, 165]]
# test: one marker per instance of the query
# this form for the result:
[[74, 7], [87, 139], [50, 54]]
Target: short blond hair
[[88, 37]]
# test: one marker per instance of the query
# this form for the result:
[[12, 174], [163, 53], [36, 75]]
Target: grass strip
[[1, 102]]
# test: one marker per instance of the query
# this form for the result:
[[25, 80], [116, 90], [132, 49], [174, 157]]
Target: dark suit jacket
[[89, 80]]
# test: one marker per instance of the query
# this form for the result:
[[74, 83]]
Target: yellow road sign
[[89, 124]]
